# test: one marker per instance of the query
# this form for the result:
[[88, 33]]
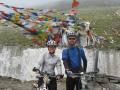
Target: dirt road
[[7, 83]]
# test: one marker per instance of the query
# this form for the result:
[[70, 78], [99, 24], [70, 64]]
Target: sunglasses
[[71, 38], [52, 46]]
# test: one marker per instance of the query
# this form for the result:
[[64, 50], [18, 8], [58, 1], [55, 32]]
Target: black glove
[[34, 69]]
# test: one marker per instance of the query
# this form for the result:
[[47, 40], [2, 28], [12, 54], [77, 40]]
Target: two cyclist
[[72, 57]]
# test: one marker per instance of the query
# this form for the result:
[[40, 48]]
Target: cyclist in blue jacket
[[72, 59]]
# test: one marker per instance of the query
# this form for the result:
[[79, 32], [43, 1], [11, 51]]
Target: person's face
[[51, 49], [72, 40]]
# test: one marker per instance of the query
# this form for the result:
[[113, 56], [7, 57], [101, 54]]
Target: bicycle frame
[[45, 77], [82, 77], [42, 87]]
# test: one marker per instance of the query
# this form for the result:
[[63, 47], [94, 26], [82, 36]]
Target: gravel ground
[[8, 83]]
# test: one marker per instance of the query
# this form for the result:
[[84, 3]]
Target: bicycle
[[43, 79], [82, 78], [85, 78]]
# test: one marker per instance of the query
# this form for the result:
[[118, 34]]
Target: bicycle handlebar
[[42, 74], [82, 74], [76, 75]]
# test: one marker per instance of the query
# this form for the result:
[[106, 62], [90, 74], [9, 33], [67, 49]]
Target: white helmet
[[51, 43], [71, 33]]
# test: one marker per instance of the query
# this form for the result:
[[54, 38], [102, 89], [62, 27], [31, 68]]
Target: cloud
[[29, 3]]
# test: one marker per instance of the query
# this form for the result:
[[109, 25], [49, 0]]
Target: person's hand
[[59, 77], [82, 73], [34, 69], [69, 73]]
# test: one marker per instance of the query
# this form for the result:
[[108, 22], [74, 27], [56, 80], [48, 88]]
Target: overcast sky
[[27, 3]]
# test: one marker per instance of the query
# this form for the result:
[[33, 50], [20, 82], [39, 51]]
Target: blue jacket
[[72, 58]]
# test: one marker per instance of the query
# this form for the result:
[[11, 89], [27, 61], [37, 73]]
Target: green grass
[[103, 20], [13, 37]]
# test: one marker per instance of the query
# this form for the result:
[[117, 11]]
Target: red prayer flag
[[36, 41], [75, 3], [14, 8], [2, 3], [34, 31], [4, 13]]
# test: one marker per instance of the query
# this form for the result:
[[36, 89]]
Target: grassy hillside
[[104, 22], [13, 36]]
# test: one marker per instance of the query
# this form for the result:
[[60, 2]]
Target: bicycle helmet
[[71, 33], [51, 43]]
